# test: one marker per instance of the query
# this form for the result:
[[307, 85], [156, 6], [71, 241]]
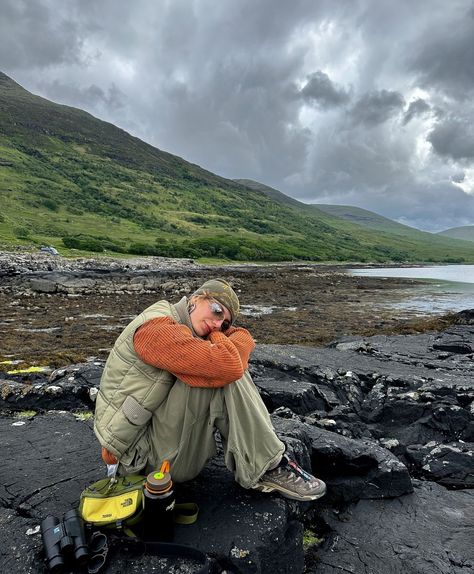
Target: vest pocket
[[134, 412], [128, 424]]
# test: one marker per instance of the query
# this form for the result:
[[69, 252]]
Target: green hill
[[466, 232], [367, 219], [75, 182], [358, 221]]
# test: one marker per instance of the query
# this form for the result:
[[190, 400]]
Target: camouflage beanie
[[221, 291]]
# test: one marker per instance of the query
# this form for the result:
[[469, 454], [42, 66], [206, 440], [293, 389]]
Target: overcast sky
[[355, 102]]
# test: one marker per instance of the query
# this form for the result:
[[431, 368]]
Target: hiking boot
[[291, 481]]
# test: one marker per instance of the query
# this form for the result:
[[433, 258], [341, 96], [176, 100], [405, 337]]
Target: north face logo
[[126, 502]]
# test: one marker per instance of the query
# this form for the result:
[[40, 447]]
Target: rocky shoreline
[[57, 311], [385, 420]]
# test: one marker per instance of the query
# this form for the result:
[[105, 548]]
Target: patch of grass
[[26, 414], [310, 540]]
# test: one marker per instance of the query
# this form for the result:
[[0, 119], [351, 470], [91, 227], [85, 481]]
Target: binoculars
[[64, 539]]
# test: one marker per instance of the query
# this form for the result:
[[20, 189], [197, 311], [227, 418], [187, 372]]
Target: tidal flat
[[56, 312]]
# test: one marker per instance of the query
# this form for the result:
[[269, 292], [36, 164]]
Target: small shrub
[[95, 244], [75, 211], [21, 232], [50, 204]]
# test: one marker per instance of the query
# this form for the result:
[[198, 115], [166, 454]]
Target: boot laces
[[298, 471]]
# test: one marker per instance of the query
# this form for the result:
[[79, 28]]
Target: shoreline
[[56, 312], [146, 261]]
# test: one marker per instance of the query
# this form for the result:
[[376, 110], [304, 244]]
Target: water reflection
[[445, 288], [454, 273]]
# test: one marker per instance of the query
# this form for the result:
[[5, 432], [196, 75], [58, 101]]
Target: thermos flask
[[159, 501]]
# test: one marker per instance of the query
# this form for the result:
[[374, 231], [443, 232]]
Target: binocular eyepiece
[[64, 538]]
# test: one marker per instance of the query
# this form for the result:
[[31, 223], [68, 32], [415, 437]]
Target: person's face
[[209, 315]]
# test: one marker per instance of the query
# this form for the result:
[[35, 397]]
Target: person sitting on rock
[[175, 374]]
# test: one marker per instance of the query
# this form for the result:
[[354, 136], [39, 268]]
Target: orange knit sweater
[[213, 362]]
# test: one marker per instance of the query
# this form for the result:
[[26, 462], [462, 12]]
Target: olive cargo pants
[[182, 431]]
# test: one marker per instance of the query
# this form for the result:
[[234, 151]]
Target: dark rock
[[281, 390], [425, 532], [54, 456], [413, 418], [350, 345], [19, 550], [388, 387], [353, 413], [451, 465], [352, 469], [245, 531], [51, 458], [465, 317], [458, 340], [71, 388]]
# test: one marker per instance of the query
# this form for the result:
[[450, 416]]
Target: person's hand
[[108, 457]]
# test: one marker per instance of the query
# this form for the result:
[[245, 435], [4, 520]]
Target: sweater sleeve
[[212, 362], [244, 342]]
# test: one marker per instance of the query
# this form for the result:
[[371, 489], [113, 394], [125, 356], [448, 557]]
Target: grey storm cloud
[[35, 35], [454, 137], [377, 107], [444, 55], [416, 108], [322, 91], [425, 207], [356, 101]]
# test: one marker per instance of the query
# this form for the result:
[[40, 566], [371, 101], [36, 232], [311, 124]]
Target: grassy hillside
[[367, 219], [75, 182], [466, 232], [363, 223]]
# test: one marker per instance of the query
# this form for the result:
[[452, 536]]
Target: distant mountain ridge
[[75, 182], [466, 232], [366, 218]]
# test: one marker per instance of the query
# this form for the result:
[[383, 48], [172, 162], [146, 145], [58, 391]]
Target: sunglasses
[[218, 311]]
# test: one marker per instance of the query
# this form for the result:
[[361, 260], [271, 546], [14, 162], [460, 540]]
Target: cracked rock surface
[[426, 532], [53, 456], [386, 421]]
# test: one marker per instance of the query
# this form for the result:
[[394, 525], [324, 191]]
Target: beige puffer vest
[[130, 390]]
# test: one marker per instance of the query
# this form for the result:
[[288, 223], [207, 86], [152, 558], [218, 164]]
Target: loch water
[[443, 288]]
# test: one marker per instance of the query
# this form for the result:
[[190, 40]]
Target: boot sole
[[288, 493]]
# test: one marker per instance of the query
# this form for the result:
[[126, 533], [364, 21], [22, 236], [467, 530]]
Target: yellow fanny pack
[[114, 503]]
